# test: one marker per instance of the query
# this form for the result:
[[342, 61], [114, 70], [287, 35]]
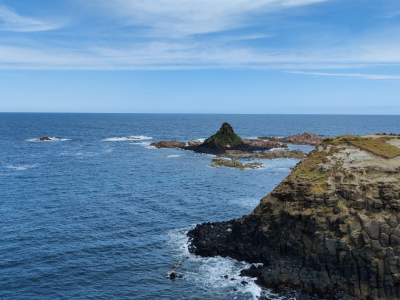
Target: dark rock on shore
[[331, 228], [306, 138]]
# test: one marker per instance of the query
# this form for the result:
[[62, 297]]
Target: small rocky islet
[[331, 228], [229, 147]]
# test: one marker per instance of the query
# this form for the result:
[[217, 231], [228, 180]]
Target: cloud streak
[[366, 76], [178, 18], [11, 21]]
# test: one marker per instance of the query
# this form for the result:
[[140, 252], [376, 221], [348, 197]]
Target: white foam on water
[[200, 140], [208, 273], [22, 167], [52, 139], [173, 155], [144, 144], [128, 138], [249, 203]]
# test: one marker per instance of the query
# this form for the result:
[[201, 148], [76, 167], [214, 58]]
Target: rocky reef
[[233, 163], [306, 138], [168, 144], [331, 228], [273, 154]]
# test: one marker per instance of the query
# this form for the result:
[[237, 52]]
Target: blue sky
[[200, 56]]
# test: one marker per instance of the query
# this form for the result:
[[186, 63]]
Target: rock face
[[169, 144], [330, 228], [299, 139], [224, 138], [233, 163]]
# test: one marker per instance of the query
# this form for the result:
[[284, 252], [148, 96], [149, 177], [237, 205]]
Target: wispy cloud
[[366, 76], [11, 21], [177, 18]]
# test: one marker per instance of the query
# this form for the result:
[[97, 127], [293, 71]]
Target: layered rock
[[306, 138], [330, 228]]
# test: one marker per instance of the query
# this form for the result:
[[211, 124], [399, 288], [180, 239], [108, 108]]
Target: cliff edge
[[330, 228]]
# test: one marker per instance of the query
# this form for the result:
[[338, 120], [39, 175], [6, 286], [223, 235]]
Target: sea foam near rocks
[[209, 274], [51, 139], [128, 138]]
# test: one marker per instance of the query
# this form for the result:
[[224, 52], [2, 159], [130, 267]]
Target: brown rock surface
[[306, 138], [272, 154], [42, 139], [168, 144], [194, 143]]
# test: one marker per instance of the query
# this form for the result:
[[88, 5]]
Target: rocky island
[[225, 139], [331, 228]]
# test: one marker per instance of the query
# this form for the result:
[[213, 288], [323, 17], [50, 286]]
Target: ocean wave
[[22, 167], [144, 144], [173, 155], [249, 203], [208, 273], [52, 139], [128, 138]]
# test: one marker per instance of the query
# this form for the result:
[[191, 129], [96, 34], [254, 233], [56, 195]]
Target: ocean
[[93, 214]]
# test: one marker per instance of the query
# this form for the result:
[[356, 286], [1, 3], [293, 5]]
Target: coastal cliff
[[330, 228]]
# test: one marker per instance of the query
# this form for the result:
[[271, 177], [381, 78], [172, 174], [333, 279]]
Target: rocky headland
[[298, 139], [331, 228]]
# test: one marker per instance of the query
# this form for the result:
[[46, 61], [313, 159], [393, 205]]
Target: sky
[[200, 56]]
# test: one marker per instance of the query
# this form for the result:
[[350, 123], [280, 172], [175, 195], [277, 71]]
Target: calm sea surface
[[96, 216]]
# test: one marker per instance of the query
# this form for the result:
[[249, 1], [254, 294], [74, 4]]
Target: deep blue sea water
[[96, 216]]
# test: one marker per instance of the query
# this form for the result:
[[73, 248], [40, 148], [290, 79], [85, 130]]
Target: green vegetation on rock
[[224, 138]]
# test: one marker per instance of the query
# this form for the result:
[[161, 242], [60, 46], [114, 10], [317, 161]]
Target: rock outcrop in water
[[298, 139], [168, 144], [233, 163], [226, 139], [330, 228]]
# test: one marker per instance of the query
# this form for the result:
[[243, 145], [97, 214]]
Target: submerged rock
[[233, 163], [330, 228]]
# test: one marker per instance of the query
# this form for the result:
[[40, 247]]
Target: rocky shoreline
[[331, 228]]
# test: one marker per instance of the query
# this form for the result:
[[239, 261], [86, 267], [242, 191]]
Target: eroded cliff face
[[332, 225]]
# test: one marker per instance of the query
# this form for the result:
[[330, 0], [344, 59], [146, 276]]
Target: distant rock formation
[[168, 144], [306, 138], [272, 154], [224, 138], [42, 139]]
